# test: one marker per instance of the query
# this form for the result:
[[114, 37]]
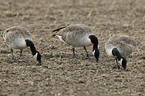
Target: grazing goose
[[78, 35], [19, 38], [120, 46]]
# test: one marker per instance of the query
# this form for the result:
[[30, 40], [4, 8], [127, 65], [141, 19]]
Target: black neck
[[116, 53], [95, 47], [94, 40], [31, 45]]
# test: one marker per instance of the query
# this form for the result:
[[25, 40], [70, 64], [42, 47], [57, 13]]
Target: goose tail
[[58, 29]]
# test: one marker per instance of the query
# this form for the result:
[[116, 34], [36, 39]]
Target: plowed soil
[[60, 74]]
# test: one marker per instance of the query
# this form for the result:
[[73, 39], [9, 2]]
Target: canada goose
[[78, 35], [18, 37], [120, 46]]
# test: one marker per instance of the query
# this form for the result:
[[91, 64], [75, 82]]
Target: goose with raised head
[[78, 35], [18, 37], [120, 46]]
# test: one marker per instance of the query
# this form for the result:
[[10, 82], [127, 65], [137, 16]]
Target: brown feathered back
[[124, 43], [76, 34]]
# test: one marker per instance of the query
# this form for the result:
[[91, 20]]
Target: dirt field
[[60, 74]]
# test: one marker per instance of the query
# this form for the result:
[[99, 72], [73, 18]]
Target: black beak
[[39, 62], [124, 67]]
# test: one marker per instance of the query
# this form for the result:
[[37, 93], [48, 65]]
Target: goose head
[[37, 56], [96, 52], [123, 62]]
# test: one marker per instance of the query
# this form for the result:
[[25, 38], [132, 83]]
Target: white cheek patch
[[94, 52], [120, 62], [35, 56]]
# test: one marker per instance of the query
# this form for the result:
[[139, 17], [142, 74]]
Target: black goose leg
[[87, 56], [13, 55], [118, 67], [74, 55], [19, 59]]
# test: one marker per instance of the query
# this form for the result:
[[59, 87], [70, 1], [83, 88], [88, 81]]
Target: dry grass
[[60, 75]]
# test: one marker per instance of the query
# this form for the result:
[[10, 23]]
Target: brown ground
[[60, 75]]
